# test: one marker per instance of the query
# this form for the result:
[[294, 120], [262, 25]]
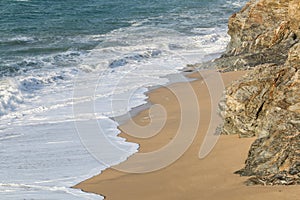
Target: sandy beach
[[189, 177]]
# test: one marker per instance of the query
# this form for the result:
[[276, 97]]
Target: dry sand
[[189, 177]]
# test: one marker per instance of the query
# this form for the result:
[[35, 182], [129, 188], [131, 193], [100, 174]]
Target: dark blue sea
[[56, 57]]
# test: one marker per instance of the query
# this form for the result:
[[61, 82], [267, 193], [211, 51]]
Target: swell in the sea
[[41, 148]]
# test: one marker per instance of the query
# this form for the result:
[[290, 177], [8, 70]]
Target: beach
[[59, 60], [189, 177], [106, 99]]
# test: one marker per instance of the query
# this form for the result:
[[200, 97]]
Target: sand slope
[[188, 177]]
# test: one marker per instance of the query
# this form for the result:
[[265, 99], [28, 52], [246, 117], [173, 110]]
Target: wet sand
[[189, 177]]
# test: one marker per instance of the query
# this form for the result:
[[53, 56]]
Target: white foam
[[60, 192], [10, 95], [6, 137], [59, 142], [236, 4], [45, 156], [18, 39]]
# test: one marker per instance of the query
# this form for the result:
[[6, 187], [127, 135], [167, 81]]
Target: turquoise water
[[59, 59]]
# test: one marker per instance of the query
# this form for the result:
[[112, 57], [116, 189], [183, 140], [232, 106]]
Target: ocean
[[66, 63]]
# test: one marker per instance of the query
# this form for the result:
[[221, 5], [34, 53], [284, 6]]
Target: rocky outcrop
[[266, 102], [262, 32]]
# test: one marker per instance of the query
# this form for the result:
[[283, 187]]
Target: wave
[[18, 40], [112, 77], [133, 49], [31, 83], [10, 96], [135, 57], [62, 192]]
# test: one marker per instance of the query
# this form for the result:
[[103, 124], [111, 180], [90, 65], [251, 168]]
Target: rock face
[[262, 32], [266, 102]]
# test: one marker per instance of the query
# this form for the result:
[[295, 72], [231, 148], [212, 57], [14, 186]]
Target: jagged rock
[[262, 32], [294, 56], [266, 102], [262, 92], [282, 178]]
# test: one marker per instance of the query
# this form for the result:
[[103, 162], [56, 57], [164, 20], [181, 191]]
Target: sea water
[[59, 55]]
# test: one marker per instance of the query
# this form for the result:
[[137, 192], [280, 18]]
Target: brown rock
[[262, 32], [294, 16], [266, 102]]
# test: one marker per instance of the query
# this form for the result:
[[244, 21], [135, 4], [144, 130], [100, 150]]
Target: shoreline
[[188, 177], [122, 119]]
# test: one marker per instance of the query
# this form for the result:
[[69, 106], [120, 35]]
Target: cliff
[[262, 32], [266, 102]]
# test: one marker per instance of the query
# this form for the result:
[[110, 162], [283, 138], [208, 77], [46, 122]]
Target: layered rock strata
[[266, 102]]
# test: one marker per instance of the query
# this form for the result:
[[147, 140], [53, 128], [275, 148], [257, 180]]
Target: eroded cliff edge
[[266, 102]]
